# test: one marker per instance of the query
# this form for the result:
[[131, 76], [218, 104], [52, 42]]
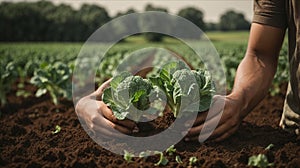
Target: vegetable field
[[39, 127]]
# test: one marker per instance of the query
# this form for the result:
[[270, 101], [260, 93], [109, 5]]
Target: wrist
[[241, 101]]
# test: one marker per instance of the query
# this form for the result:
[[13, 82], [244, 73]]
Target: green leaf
[[145, 154], [171, 150], [118, 79], [120, 115], [128, 156], [157, 81], [23, 93], [269, 147], [205, 102], [57, 129], [192, 160], [107, 96], [137, 95], [165, 76], [162, 160], [178, 159], [40, 92], [260, 161]]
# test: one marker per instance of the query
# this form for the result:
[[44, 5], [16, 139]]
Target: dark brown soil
[[26, 139]]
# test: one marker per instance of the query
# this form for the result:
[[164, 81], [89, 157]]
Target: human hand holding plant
[[99, 118], [228, 119]]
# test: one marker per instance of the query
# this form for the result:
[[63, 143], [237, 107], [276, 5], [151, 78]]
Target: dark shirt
[[284, 14]]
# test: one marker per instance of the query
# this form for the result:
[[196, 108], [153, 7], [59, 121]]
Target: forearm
[[253, 79], [256, 71]]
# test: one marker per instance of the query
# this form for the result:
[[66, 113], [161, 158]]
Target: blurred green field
[[228, 37], [24, 60]]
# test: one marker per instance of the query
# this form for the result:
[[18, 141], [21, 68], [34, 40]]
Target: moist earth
[[26, 138]]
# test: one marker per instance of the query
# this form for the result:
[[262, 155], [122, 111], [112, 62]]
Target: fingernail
[[135, 130], [187, 139]]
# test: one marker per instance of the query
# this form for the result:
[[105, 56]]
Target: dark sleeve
[[270, 12]]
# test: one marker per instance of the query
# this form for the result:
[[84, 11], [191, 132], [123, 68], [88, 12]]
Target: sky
[[212, 8]]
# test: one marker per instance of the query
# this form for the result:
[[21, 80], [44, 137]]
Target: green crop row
[[49, 66]]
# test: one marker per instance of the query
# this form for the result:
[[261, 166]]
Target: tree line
[[44, 21]]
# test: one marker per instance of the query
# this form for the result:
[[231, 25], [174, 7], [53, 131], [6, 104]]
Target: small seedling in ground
[[162, 160], [145, 154], [260, 161], [193, 160], [269, 147], [178, 159], [171, 150], [128, 156], [57, 129]]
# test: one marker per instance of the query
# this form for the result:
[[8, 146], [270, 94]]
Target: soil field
[[26, 139]]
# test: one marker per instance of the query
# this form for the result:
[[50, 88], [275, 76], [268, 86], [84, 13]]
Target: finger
[[194, 138], [226, 135], [221, 131], [219, 134], [117, 127], [106, 132], [107, 113], [105, 84], [99, 121], [207, 125]]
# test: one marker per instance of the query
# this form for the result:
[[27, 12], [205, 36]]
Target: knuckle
[[113, 126], [113, 118], [110, 124]]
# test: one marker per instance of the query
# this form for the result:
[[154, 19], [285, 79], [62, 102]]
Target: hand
[[221, 123], [100, 119]]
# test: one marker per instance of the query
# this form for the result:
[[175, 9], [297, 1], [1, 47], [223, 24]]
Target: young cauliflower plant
[[131, 96], [186, 90]]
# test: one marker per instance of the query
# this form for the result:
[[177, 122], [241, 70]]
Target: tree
[[92, 17], [232, 20], [211, 26], [194, 15], [126, 25], [150, 7], [147, 23], [129, 11], [44, 21], [62, 23]]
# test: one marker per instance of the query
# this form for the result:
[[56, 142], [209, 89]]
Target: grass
[[230, 37], [215, 36]]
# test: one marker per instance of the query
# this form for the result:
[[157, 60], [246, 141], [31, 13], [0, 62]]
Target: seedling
[[128, 156], [162, 160], [269, 147], [260, 161], [57, 129], [192, 160], [178, 159], [8, 77], [186, 90], [145, 154], [171, 150], [54, 79]]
